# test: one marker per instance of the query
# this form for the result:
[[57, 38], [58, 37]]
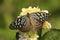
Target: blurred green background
[[10, 9]]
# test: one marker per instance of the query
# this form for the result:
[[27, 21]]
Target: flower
[[31, 10], [47, 25]]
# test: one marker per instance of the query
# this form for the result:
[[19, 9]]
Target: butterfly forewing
[[38, 18], [15, 24], [21, 23]]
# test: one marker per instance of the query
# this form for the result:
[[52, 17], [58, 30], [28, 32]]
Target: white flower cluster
[[31, 10], [27, 38]]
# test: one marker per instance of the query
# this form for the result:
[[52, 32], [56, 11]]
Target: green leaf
[[53, 34]]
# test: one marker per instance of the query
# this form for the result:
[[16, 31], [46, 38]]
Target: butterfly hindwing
[[25, 23]]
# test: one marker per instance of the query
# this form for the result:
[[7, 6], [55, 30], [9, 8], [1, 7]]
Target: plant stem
[[40, 34]]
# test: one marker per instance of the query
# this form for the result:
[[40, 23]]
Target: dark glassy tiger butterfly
[[30, 21]]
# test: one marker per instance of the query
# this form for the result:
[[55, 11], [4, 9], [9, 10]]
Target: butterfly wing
[[38, 18], [21, 23], [15, 24]]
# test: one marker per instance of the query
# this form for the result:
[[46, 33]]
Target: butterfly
[[28, 22]]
